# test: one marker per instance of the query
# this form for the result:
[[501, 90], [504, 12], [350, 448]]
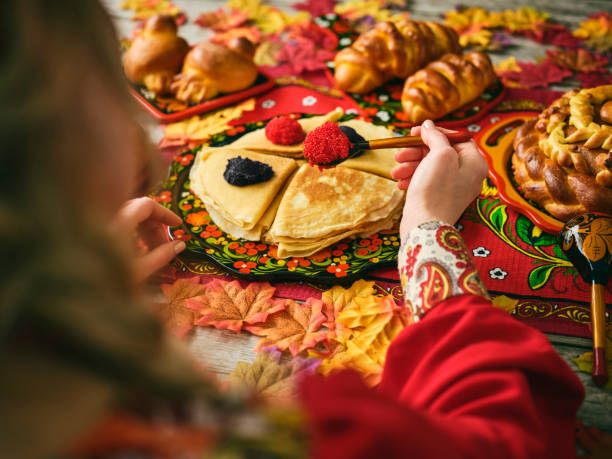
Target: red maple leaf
[[220, 20], [550, 33], [229, 306], [320, 36], [316, 7], [302, 55], [590, 80], [537, 75]]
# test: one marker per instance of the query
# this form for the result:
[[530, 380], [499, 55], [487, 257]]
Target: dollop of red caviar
[[326, 144], [284, 130]]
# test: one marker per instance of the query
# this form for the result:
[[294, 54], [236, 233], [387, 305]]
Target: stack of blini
[[302, 208]]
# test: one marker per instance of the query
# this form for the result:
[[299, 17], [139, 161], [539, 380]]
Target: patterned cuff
[[434, 264]]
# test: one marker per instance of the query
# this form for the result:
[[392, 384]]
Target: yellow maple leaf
[[464, 19], [371, 323], [266, 53], [523, 18], [506, 303], [356, 9], [584, 362], [143, 9], [199, 128], [337, 298], [476, 38], [508, 65]]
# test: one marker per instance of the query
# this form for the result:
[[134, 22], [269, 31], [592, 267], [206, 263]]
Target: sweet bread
[[210, 69], [391, 50], [445, 85], [563, 159], [156, 55]]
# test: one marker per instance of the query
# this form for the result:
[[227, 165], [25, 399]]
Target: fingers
[[410, 154], [152, 233], [433, 138], [156, 259], [416, 130], [139, 210], [404, 170], [472, 160]]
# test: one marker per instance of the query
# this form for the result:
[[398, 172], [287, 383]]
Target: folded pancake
[[238, 209], [321, 207], [257, 140], [379, 162]]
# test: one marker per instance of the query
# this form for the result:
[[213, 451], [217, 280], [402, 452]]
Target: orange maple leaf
[[295, 328], [227, 305], [177, 318]]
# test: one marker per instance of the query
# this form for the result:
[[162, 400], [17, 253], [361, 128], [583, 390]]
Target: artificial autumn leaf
[[198, 129], [507, 65], [316, 7], [220, 20], [524, 18], [229, 306], [584, 362], [296, 328], [251, 33], [354, 10], [337, 298], [506, 303], [597, 31], [266, 53], [591, 80], [374, 322], [144, 9], [302, 55], [553, 34], [320, 36], [269, 378], [537, 75], [579, 60], [175, 314]]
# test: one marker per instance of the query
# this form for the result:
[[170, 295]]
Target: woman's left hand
[[145, 218]]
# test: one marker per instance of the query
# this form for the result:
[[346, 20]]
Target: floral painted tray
[[496, 142], [383, 106], [169, 110], [342, 262]]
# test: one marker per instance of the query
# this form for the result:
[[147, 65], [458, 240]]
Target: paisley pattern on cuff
[[434, 265]]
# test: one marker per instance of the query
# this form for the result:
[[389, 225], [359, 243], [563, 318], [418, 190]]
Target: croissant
[[563, 159], [210, 69], [391, 50], [156, 55], [445, 85]]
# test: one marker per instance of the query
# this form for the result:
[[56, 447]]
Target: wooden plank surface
[[220, 350]]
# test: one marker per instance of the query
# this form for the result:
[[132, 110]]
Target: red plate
[[496, 143], [158, 107]]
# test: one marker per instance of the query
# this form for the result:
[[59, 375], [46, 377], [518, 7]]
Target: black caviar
[[354, 137], [244, 171]]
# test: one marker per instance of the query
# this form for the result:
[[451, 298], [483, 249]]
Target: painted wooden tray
[[342, 262], [169, 110], [496, 144]]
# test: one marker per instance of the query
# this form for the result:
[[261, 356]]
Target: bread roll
[[210, 69], [156, 55], [391, 50], [445, 85]]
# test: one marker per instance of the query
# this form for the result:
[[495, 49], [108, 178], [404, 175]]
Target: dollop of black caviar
[[244, 171], [354, 137]]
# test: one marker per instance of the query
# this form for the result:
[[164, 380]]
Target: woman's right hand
[[441, 180]]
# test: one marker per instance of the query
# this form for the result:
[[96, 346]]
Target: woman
[[80, 355]]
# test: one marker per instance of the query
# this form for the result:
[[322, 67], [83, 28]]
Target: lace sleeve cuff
[[435, 264]]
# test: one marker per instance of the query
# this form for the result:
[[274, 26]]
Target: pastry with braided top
[[156, 55], [563, 159], [210, 69], [391, 50], [445, 85]]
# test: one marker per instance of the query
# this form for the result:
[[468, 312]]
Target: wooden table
[[220, 350]]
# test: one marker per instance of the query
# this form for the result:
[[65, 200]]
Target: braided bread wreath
[[562, 160]]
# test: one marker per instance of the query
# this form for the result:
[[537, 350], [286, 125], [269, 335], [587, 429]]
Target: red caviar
[[326, 144], [284, 130]]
